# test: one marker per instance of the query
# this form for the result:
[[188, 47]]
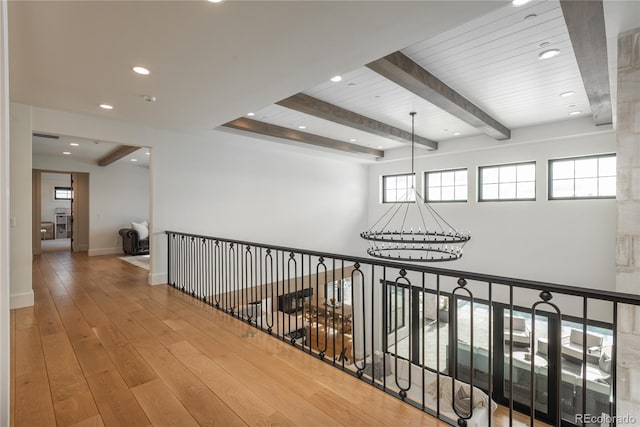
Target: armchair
[[572, 346], [520, 331], [132, 244]]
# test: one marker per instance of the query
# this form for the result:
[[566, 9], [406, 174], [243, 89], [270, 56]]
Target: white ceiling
[[491, 60], [212, 63], [86, 150]]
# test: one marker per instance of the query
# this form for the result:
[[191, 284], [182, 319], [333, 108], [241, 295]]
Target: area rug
[[141, 261]]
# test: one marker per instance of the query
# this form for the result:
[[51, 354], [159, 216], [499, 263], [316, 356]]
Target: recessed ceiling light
[[134, 160], [141, 70], [571, 106], [148, 153], [336, 79], [531, 16], [66, 153], [106, 106], [251, 114], [215, 1], [543, 44], [575, 113], [352, 140], [517, 3], [74, 144], [379, 147], [302, 127], [457, 134], [565, 94], [549, 53], [351, 84]]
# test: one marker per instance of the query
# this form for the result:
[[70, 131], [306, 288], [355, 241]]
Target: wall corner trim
[[157, 279], [21, 300], [105, 251]]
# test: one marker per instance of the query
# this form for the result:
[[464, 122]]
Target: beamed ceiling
[[467, 68]]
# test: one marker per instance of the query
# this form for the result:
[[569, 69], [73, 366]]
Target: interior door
[[80, 212]]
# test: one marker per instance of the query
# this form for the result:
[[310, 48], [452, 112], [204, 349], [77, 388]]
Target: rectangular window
[[398, 188], [446, 186], [62, 193], [590, 177], [508, 182]]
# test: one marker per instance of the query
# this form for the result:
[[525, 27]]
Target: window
[[446, 186], [508, 182], [395, 308], [340, 291], [62, 193], [398, 188], [583, 177]]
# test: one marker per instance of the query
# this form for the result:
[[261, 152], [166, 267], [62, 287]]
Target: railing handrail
[[605, 295]]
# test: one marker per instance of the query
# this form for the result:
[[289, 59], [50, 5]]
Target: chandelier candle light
[[391, 238]]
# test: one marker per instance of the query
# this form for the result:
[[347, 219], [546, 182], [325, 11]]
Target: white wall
[[48, 202], [4, 222], [118, 195], [569, 242], [234, 186], [20, 206]]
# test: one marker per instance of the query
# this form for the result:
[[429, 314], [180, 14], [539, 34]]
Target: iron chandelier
[[391, 237]]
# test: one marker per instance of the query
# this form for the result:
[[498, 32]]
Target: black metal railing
[[452, 343]]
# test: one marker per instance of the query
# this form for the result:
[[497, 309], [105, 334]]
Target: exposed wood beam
[[118, 153], [585, 22], [324, 110], [403, 71], [276, 131]]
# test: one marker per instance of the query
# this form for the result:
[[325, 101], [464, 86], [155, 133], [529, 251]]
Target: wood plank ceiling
[[491, 63]]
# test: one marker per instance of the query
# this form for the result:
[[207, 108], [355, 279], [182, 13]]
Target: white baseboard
[[24, 299], [158, 279], [105, 251]]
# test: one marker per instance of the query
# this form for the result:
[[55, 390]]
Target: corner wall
[[20, 207], [5, 323]]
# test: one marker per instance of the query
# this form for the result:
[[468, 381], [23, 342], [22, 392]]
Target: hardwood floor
[[101, 347]]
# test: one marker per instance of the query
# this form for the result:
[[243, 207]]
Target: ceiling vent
[[44, 135]]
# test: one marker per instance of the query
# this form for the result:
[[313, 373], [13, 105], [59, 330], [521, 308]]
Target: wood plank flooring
[[102, 348]]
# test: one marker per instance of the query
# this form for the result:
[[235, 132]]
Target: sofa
[[132, 244]]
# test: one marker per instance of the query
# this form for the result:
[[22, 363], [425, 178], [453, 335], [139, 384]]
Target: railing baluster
[[354, 324], [583, 408], [490, 354], [438, 344], [614, 363], [453, 324], [511, 357]]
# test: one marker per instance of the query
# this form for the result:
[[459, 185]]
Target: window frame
[[55, 193], [384, 187], [426, 186], [574, 197], [481, 182]]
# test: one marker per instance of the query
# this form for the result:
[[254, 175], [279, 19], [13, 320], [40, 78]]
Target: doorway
[[60, 211]]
